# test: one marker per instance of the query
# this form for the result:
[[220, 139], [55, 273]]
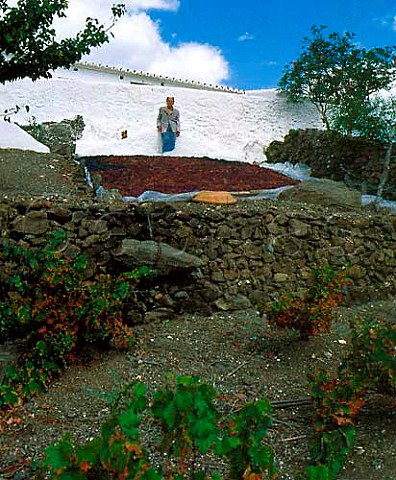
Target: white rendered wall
[[214, 123]]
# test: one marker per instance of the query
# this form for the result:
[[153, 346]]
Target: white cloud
[[270, 63], [137, 42], [171, 5], [245, 36], [387, 21], [192, 61]]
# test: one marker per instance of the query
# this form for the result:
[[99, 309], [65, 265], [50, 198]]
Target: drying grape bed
[[133, 175]]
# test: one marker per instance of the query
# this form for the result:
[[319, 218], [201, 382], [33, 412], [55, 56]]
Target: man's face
[[169, 102]]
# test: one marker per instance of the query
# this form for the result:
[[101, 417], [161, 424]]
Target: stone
[[253, 251], [34, 223], [281, 219], [356, 272], [181, 295], [158, 314], [8, 357], [274, 228], [247, 232], [300, 229], [164, 299], [324, 192], [159, 255], [233, 302], [184, 231], [72, 251], [97, 227], [259, 298], [338, 261], [230, 275], [224, 231], [60, 137], [336, 251], [218, 276], [210, 292], [90, 240], [109, 195], [241, 302], [59, 214], [268, 257], [211, 250], [281, 277]]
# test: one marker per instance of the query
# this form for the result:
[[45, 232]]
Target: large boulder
[[324, 192], [159, 255]]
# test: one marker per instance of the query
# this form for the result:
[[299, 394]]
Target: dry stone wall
[[354, 160], [249, 252]]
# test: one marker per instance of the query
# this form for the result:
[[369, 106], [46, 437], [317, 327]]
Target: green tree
[[27, 40], [334, 70]]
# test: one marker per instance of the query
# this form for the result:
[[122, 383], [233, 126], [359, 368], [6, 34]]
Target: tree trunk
[[323, 115], [385, 171]]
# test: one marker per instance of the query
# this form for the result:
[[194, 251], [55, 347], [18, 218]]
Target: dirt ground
[[23, 172], [239, 356], [235, 352]]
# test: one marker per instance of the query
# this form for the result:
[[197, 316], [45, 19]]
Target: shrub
[[190, 425], [369, 364], [48, 307], [373, 353], [312, 313], [338, 402]]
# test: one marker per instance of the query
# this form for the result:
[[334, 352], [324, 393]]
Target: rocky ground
[[235, 352]]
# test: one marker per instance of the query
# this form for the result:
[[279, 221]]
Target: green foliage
[[43, 132], [53, 312], [37, 131], [27, 39], [77, 126], [187, 417], [248, 456], [369, 364], [190, 424], [311, 314], [336, 71], [374, 118], [318, 472], [339, 78], [372, 353], [115, 451], [338, 402]]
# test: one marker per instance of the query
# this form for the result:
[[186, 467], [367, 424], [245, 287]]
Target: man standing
[[168, 124]]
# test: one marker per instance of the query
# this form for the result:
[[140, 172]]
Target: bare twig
[[292, 439], [236, 369], [299, 402]]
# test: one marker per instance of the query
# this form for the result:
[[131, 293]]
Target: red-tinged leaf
[[340, 420], [85, 466]]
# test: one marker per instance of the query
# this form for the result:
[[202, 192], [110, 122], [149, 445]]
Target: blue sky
[[243, 44], [258, 37]]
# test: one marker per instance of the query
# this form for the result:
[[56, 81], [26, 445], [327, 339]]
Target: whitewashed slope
[[11, 136], [214, 124]]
